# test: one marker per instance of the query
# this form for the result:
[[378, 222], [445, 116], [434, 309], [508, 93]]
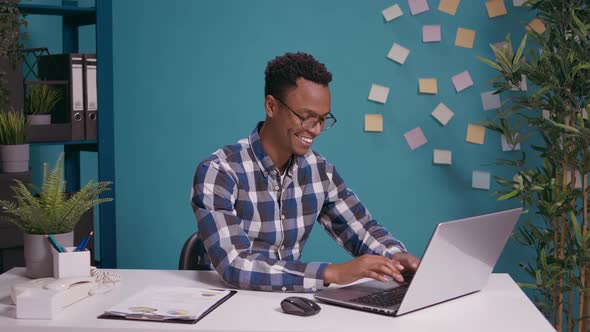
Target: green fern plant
[[41, 99], [12, 128], [50, 210]]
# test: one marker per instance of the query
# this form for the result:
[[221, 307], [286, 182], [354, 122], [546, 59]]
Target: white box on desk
[[71, 263]]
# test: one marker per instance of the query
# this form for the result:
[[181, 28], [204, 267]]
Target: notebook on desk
[[458, 261], [185, 305]]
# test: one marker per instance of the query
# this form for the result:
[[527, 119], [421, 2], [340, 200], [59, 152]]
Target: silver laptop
[[458, 261]]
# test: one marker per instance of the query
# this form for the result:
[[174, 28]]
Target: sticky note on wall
[[462, 81], [465, 38], [379, 93], [431, 33], [496, 8], [392, 12], [480, 180], [415, 138], [507, 146], [537, 25], [442, 114], [490, 101], [398, 53], [418, 6], [442, 157], [448, 6], [374, 123], [475, 134], [428, 86]]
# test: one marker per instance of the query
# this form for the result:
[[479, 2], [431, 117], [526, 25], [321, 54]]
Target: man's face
[[308, 99]]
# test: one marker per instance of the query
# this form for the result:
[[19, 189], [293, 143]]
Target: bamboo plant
[[41, 99], [12, 128], [551, 122], [50, 210]]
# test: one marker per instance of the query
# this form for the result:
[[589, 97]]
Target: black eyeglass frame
[[317, 121]]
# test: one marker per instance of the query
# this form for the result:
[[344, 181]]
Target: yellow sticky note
[[465, 38], [428, 85], [537, 25], [374, 122], [496, 8], [448, 6], [475, 134]]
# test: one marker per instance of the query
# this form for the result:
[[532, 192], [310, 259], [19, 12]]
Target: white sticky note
[[522, 86], [480, 180], [442, 157], [398, 53], [508, 147], [379, 93], [443, 114], [518, 3], [392, 12], [490, 101]]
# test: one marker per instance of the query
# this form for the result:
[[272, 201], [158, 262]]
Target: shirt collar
[[263, 159]]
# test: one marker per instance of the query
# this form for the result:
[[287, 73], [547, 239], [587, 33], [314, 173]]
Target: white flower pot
[[38, 257], [39, 119], [14, 158]]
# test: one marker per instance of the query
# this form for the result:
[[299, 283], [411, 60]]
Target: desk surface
[[500, 306]]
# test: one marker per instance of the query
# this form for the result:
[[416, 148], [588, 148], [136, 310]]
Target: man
[[256, 201]]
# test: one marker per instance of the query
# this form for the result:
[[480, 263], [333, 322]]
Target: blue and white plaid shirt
[[254, 227]]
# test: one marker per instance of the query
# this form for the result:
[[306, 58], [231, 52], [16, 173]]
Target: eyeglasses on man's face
[[326, 121]]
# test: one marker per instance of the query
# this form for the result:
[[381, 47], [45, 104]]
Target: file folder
[[90, 97], [67, 67]]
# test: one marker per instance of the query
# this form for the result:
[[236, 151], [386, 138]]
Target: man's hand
[[366, 266], [408, 261]]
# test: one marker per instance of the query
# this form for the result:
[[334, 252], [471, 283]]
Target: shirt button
[[276, 187], [284, 289], [283, 216], [282, 247]]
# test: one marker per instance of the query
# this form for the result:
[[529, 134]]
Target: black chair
[[193, 255]]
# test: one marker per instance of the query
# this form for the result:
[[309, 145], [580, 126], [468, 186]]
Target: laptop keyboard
[[384, 299]]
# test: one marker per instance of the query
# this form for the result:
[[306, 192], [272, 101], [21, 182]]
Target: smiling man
[[256, 201]]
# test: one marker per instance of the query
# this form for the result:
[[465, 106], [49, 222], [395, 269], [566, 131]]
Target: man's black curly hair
[[282, 72]]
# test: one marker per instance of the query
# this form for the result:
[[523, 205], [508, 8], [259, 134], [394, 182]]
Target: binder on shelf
[[90, 97], [67, 67]]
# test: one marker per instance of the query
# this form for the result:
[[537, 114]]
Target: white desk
[[501, 306]]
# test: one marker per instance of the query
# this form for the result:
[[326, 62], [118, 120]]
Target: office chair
[[193, 255]]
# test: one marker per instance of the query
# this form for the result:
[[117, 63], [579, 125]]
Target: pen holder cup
[[71, 263]]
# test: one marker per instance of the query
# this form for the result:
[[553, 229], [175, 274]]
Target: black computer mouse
[[300, 306]]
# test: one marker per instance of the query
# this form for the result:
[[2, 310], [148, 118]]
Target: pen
[[54, 243], [84, 242]]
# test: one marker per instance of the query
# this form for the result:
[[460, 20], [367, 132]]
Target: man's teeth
[[305, 139]]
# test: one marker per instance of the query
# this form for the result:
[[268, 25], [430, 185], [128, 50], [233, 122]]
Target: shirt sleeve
[[228, 246], [345, 218]]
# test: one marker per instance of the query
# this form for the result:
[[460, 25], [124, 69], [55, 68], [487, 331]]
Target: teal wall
[[189, 78], [187, 83]]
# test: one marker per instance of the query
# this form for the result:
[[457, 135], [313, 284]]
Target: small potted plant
[[49, 210], [40, 102], [14, 152]]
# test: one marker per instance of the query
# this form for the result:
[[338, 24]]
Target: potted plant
[[11, 56], [39, 103], [49, 210], [14, 152], [552, 120]]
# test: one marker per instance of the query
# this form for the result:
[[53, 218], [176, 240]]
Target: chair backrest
[[193, 255]]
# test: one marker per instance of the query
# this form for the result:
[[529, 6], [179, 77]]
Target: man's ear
[[270, 103]]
